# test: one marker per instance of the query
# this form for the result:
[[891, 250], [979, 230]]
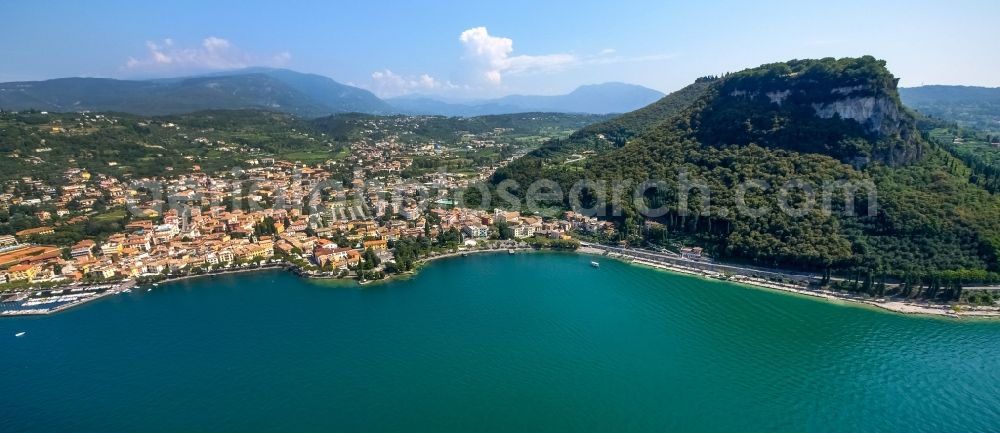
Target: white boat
[[127, 291], [595, 264], [19, 334]]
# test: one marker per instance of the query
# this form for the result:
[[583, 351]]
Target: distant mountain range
[[283, 90], [593, 99], [306, 95], [977, 107]]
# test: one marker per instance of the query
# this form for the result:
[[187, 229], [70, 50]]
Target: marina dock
[[51, 301]]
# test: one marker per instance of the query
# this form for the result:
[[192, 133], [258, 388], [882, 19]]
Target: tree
[[504, 231], [370, 259], [450, 238]]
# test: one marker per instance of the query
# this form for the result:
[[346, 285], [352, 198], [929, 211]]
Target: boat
[[127, 291], [510, 251], [595, 264], [149, 290], [19, 334]]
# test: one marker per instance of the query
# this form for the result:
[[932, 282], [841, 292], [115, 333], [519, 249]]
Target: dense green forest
[[933, 227]]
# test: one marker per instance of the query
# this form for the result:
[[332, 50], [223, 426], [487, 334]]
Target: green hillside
[[305, 95], [125, 145], [817, 122]]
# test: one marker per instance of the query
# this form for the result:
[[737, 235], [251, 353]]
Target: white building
[[476, 231], [522, 231]]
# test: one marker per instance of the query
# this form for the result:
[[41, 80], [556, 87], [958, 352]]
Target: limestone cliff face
[[845, 108], [877, 114]]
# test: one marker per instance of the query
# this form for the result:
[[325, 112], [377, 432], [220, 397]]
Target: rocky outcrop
[[778, 97], [877, 114], [848, 109]]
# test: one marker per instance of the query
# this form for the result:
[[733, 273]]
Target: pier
[[56, 300]]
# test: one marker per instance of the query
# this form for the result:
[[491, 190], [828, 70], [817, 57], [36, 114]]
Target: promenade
[[779, 280]]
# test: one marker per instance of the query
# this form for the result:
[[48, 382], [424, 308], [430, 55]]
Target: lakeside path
[[895, 306]]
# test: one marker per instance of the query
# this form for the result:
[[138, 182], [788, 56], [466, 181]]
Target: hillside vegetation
[[811, 121], [42, 146]]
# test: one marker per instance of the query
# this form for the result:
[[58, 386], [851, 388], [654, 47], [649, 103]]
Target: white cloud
[[387, 83], [212, 54], [213, 44], [486, 59], [490, 57]]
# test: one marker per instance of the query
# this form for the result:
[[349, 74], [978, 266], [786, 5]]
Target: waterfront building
[[476, 231], [24, 272]]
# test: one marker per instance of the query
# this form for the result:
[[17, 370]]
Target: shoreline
[[423, 261], [268, 267], [115, 288], [890, 306]]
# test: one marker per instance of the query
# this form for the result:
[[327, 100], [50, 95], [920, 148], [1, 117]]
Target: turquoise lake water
[[498, 343]]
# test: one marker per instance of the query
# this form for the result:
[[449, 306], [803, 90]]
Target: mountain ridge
[[969, 106], [307, 95], [603, 98], [284, 90]]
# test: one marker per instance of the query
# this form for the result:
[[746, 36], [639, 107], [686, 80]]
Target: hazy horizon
[[483, 51]]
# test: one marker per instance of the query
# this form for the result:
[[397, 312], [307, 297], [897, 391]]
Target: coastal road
[[675, 260]]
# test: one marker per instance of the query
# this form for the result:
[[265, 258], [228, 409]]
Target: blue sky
[[478, 49]]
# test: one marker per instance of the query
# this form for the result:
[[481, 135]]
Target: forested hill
[[847, 108], [305, 95], [977, 107], [814, 121], [628, 125]]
